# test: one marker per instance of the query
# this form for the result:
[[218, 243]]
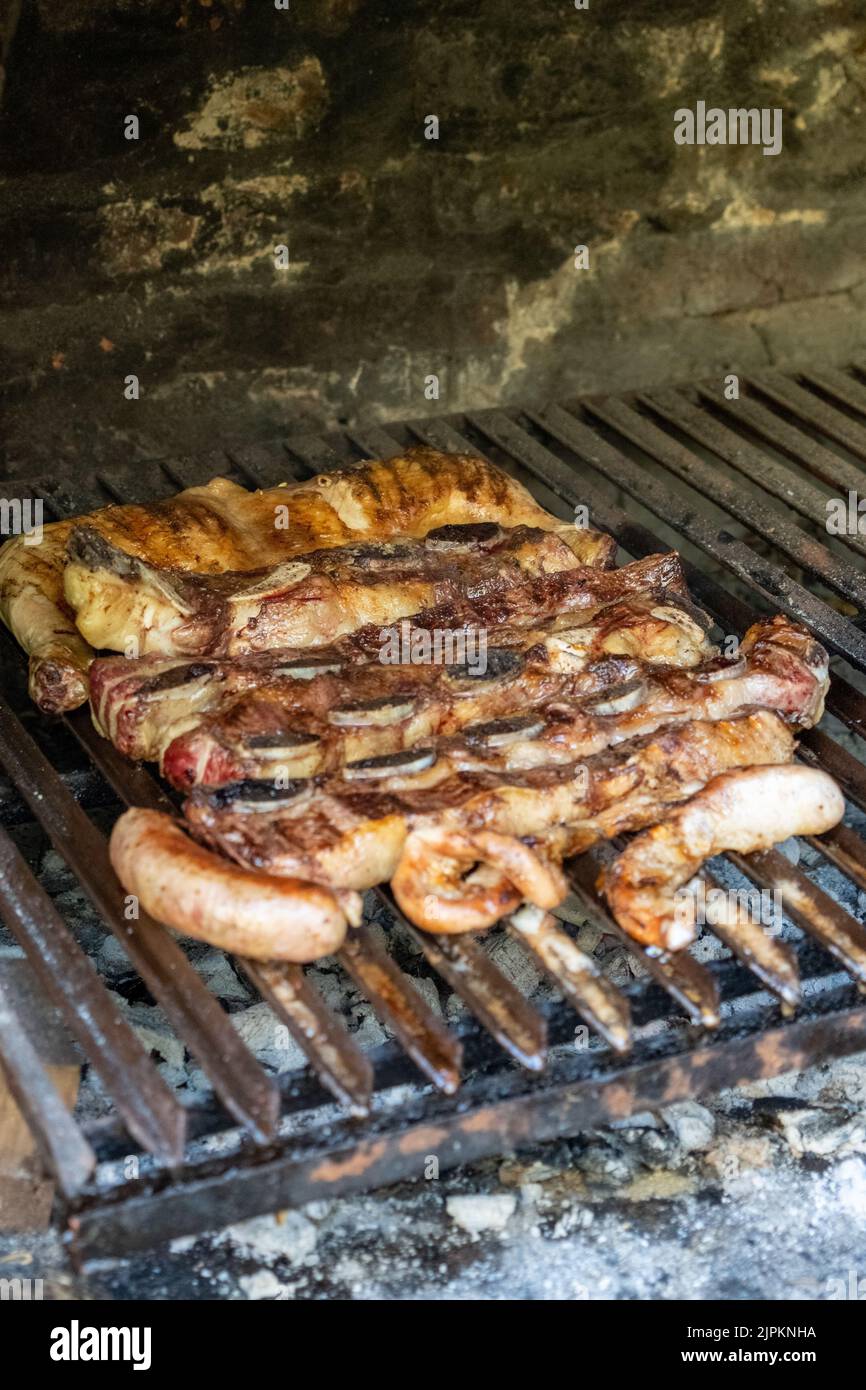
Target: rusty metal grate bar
[[763, 575], [152, 1114], [838, 386], [494, 1000], [845, 849], [335, 1057], [813, 411], [577, 976], [241, 1083], [426, 1039], [727, 493], [810, 907], [62, 1147], [778, 479], [689, 984], [757, 418]]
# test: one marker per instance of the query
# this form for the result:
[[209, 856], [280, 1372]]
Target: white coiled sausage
[[455, 881]]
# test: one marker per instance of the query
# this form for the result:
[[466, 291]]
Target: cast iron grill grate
[[741, 489]]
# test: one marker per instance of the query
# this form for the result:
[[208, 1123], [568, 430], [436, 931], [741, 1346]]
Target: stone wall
[[305, 127]]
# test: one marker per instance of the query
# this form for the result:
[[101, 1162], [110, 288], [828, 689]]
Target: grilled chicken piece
[[221, 527], [747, 810], [309, 601], [351, 833], [141, 705], [563, 714]]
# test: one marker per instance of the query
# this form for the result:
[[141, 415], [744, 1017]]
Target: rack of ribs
[[302, 729], [642, 609], [471, 825], [121, 603]]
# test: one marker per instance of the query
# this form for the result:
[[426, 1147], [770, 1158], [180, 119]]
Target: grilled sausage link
[[187, 887], [746, 810]]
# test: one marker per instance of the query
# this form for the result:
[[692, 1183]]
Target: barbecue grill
[[674, 468]]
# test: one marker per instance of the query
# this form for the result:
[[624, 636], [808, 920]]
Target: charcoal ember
[[821, 1131], [223, 979], [621, 966], [791, 850], [509, 956], [661, 1149], [268, 1038], [426, 987], [609, 1158], [571, 911]]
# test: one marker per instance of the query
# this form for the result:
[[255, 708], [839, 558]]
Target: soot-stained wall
[[409, 257]]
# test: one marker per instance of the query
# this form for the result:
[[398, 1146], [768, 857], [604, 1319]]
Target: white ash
[[790, 848], [428, 991], [289, 1235], [222, 979], [268, 1039], [513, 960], [571, 911], [481, 1213], [262, 1285], [555, 1230], [626, 1212], [822, 1131]]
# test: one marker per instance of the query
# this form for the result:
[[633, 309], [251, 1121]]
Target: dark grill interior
[[697, 469]]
